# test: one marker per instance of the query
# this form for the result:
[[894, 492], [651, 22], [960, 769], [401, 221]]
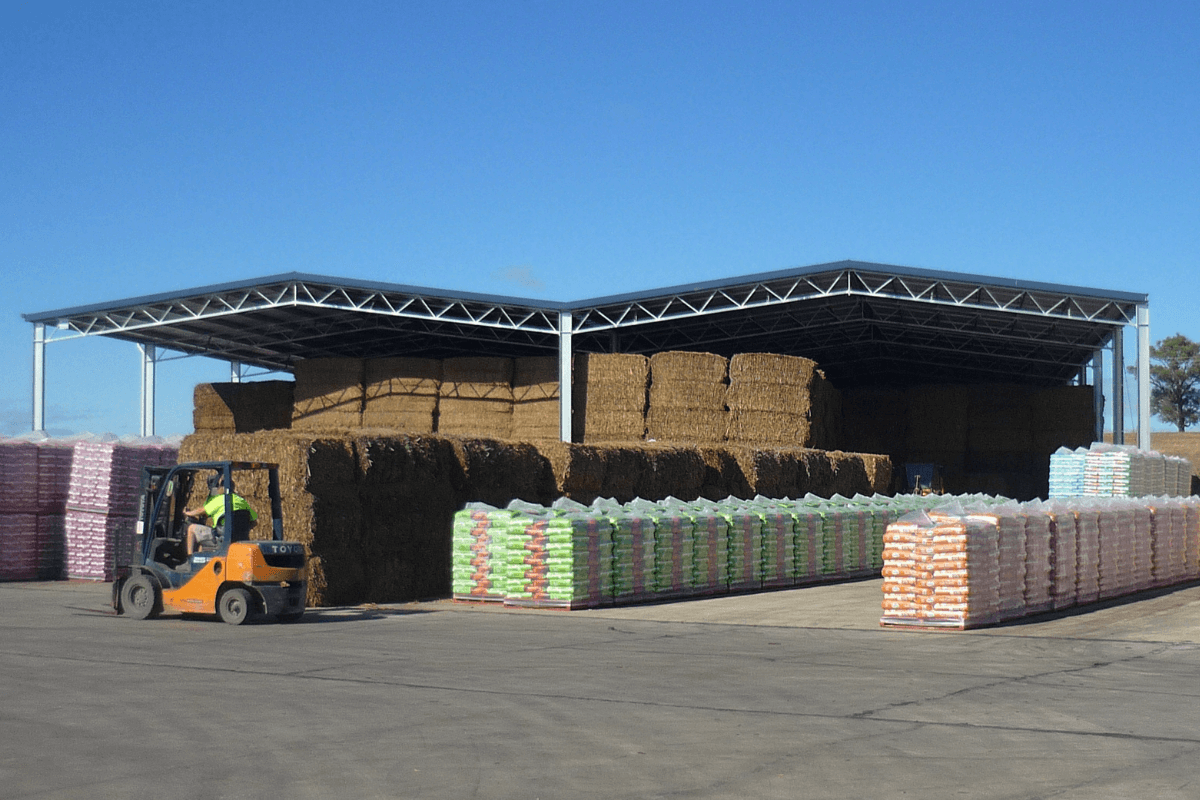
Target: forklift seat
[[242, 524]]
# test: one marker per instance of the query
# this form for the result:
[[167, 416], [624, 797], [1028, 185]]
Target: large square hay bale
[[328, 394], [401, 394], [243, 407], [476, 397], [687, 397], [609, 397], [783, 401]]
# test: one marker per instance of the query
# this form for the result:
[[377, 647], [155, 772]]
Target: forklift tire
[[140, 598], [235, 606]]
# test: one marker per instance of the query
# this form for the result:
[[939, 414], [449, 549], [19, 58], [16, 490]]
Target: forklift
[[234, 577]]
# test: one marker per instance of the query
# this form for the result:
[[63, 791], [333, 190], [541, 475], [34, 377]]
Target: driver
[[214, 508]]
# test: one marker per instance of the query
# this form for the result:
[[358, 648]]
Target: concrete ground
[[786, 694]]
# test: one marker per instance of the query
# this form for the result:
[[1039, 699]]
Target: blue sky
[[565, 150]]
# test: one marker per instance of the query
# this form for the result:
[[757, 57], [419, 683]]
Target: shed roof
[[863, 323]]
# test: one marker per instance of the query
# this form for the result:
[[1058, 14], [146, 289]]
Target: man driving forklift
[[200, 535]]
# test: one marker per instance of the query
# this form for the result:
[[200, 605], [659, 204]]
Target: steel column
[[235, 372], [1098, 395], [148, 364], [1143, 375], [39, 376], [564, 375], [1118, 376]]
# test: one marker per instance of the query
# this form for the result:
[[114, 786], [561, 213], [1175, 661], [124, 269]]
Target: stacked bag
[[1003, 560], [569, 555], [1109, 470]]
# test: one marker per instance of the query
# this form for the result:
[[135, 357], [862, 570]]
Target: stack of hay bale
[[687, 397], [401, 394], [535, 413], [328, 394], [476, 397], [610, 397], [772, 400]]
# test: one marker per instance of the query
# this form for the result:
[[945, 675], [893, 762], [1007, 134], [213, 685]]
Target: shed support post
[[1098, 394], [39, 376], [1118, 391], [1143, 375], [235, 372], [148, 363], [564, 375]]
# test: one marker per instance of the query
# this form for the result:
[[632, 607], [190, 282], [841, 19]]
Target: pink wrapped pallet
[[1143, 553], [1010, 527], [1064, 564], [18, 547], [102, 499], [1191, 536], [1116, 550], [1038, 557], [51, 545], [1087, 555], [18, 476]]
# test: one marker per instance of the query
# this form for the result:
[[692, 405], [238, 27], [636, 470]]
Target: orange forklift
[[234, 577]]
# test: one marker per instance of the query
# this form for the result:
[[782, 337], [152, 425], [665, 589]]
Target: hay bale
[[328, 394], [535, 414], [609, 397], [848, 474], [879, 473], [763, 427], [401, 394], [578, 469], [687, 397], [475, 397], [497, 472], [723, 475], [771, 368], [671, 472], [243, 407], [777, 400]]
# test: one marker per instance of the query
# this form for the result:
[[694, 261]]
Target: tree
[[1175, 381]]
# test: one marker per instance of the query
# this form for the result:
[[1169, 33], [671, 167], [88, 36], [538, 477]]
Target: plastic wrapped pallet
[[745, 549], [1009, 522], [809, 541], [633, 556], [966, 577], [1087, 554], [1191, 535], [560, 561], [907, 598], [478, 550], [1064, 552], [1116, 549], [1143, 570], [673, 549], [710, 549], [778, 545], [102, 503], [1067, 472], [19, 558], [1038, 561]]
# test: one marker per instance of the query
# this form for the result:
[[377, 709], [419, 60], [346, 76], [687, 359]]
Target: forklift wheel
[[235, 606], [140, 597]]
